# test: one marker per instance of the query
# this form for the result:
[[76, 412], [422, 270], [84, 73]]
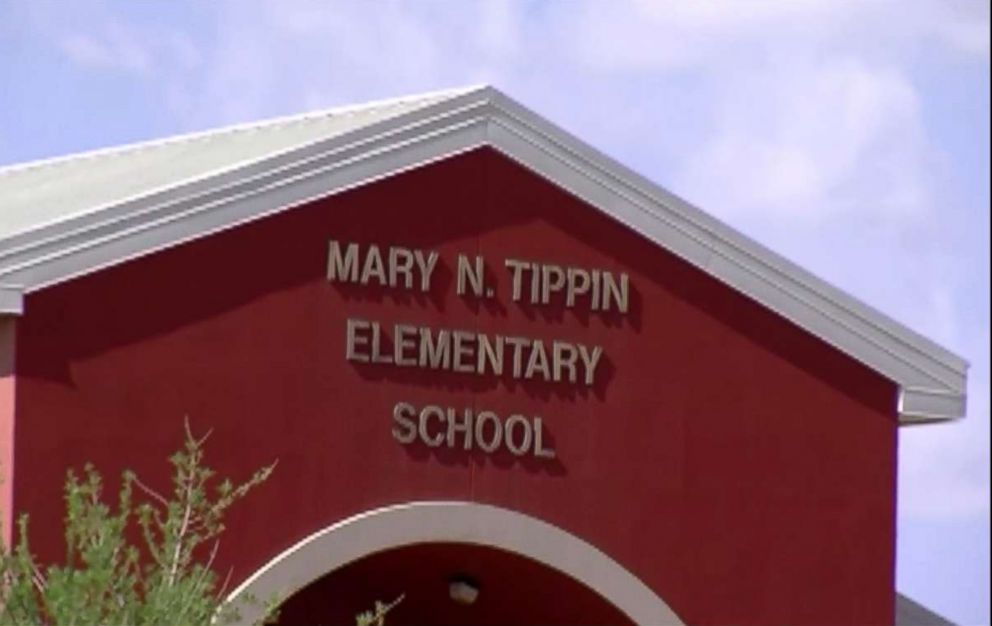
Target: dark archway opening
[[512, 589]]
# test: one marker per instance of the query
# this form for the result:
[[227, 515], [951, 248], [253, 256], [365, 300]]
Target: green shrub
[[168, 578]]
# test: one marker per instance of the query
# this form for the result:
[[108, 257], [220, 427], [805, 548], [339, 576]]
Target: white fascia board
[[931, 378], [11, 300], [922, 406]]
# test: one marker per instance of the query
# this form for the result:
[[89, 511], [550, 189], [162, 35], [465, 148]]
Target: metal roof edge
[[236, 127], [931, 378], [616, 173]]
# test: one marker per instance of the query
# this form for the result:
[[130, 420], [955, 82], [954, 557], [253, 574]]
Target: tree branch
[[149, 491]]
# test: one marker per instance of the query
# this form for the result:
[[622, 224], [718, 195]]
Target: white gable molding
[[931, 379], [447, 522], [11, 300]]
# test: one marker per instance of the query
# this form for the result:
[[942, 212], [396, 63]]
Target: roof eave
[[925, 406], [11, 300], [931, 379]]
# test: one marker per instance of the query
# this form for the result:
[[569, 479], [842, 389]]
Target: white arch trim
[[449, 522]]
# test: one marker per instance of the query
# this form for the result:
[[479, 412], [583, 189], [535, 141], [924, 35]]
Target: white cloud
[[500, 30], [969, 37], [650, 35], [93, 37], [674, 36], [809, 139], [962, 26], [116, 49], [85, 51]]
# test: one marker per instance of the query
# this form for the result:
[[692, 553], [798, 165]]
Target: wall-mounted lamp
[[463, 589]]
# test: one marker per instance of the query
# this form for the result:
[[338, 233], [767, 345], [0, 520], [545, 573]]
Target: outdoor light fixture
[[463, 589]]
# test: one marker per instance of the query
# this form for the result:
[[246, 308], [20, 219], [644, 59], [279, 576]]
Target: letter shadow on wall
[[442, 280], [456, 382], [501, 458], [555, 311]]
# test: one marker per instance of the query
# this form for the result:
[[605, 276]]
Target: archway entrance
[[446, 535], [511, 589]]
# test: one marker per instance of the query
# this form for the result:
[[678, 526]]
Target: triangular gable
[[292, 164]]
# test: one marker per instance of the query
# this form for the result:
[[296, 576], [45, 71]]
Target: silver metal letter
[[398, 266], [590, 361], [518, 344], [373, 267], [517, 268], [494, 355], [425, 413], [342, 269], [578, 284], [564, 355], [473, 276], [403, 342], [435, 355], [539, 450], [352, 340], [535, 282], [538, 361], [465, 426], [552, 279], [594, 305], [377, 355], [613, 292], [465, 360], [426, 268], [405, 430], [480, 431], [511, 424]]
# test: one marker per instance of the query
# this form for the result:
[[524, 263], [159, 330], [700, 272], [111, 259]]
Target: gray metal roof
[[911, 613], [47, 192], [66, 217]]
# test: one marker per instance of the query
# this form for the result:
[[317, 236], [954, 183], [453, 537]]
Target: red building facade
[[483, 360]]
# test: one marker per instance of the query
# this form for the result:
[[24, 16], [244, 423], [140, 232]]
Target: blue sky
[[852, 137]]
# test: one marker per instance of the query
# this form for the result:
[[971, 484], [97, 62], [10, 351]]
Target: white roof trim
[[931, 378]]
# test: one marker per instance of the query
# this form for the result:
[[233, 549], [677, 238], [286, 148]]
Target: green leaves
[[377, 616], [167, 577]]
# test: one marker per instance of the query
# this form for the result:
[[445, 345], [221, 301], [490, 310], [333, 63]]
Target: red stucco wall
[[741, 468]]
